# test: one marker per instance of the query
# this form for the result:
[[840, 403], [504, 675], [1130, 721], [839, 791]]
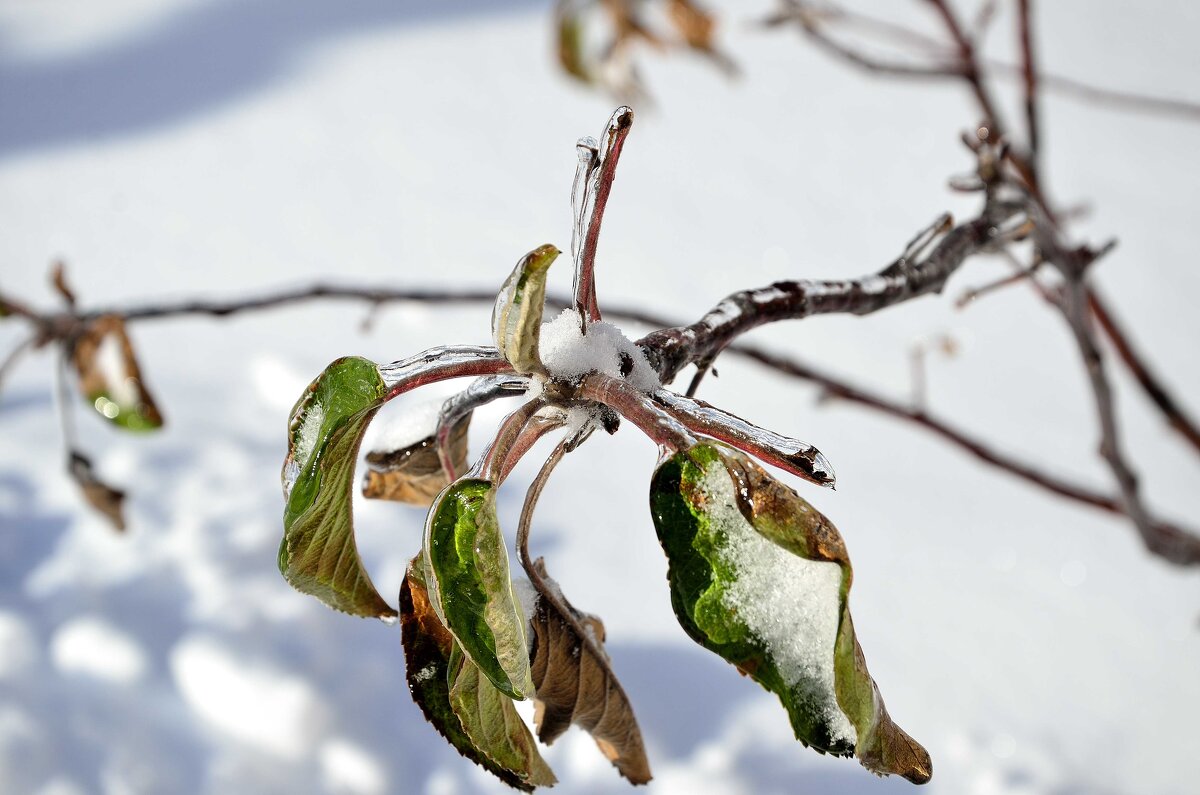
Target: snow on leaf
[[414, 473], [760, 577], [574, 683], [109, 376], [470, 587], [318, 554], [427, 649], [517, 315]]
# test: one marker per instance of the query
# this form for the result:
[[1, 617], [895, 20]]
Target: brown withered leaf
[[109, 376], [697, 27], [573, 682], [100, 495], [414, 474]]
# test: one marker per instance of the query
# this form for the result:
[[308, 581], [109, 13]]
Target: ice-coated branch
[[662, 427], [790, 455], [598, 172], [482, 391], [670, 350], [439, 364]]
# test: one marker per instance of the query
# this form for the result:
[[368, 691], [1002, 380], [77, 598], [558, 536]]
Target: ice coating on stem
[[436, 364], [568, 353], [790, 604], [792, 455], [414, 424]]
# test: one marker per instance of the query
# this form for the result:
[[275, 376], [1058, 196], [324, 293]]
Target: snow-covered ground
[[216, 147]]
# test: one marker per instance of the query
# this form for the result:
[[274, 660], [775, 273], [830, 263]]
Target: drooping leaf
[[490, 719], [427, 649], [318, 554], [575, 684], [109, 376], [760, 577], [469, 586], [101, 496], [517, 315], [415, 474]]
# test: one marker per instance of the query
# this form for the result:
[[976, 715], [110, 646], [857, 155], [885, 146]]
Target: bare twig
[[1030, 85], [932, 59], [1175, 543], [669, 350], [1147, 380]]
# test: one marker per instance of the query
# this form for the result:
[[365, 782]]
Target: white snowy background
[[220, 147]]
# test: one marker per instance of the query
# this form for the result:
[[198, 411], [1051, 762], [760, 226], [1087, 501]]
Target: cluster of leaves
[[476, 639], [101, 356], [597, 39]]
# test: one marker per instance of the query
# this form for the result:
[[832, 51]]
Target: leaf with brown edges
[[427, 649], [573, 682]]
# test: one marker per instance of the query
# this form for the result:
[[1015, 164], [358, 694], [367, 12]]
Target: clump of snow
[[790, 604], [568, 353], [96, 648]]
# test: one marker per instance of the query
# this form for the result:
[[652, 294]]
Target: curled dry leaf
[[697, 27], [428, 647], [762, 578], [101, 496], [415, 474], [109, 376], [574, 683]]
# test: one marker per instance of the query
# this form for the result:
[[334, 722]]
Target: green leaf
[[490, 719], [318, 554], [427, 649], [760, 577], [517, 315], [109, 376], [469, 584]]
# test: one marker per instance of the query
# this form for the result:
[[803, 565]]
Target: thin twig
[[813, 22], [1030, 84], [1183, 541], [1155, 390]]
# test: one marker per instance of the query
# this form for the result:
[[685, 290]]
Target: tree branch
[[670, 349]]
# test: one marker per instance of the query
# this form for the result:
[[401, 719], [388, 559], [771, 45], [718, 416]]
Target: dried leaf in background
[[109, 376], [414, 474]]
